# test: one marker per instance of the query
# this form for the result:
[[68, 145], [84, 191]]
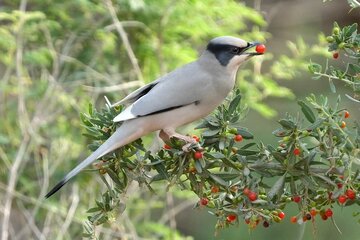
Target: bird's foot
[[191, 143]]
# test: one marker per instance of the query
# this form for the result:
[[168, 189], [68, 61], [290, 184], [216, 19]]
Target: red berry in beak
[[260, 48]]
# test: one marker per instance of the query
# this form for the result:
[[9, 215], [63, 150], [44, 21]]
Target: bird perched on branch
[[182, 96]]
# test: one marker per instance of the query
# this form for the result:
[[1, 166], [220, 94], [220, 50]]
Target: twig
[[177, 209], [24, 144], [114, 88], [124, 38], [71, 213], [30, 220]]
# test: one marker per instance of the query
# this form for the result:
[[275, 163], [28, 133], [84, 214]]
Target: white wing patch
[[125, 115]]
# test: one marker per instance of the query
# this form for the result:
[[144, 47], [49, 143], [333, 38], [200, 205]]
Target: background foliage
[[56, 57]]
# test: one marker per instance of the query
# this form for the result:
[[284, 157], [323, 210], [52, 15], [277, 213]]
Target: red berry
[[231, 217], [324, 217], [343, 124], [266, 224], [296, 199], [313, 212], [246, 191], [167, 146], [296, 151], [204, 201], [238, 138], [252, 196], [196, 138], [198, 155], [214, 189], [260, 48], [339, 185], [281, 215], [328, 212], [342, 199], [293, 219], [350, 194], [335, 55], [346, 114]]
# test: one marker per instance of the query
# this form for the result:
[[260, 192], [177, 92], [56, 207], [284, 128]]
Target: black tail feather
[[56, 188]]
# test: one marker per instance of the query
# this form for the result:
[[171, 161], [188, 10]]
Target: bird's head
[[231, 52]]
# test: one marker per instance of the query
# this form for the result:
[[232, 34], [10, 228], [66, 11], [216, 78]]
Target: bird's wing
[[176, 89], [135, 95]]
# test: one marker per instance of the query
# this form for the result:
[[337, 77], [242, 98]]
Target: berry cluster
[[342, 39]]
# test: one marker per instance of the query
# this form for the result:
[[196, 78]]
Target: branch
[[124, 38]]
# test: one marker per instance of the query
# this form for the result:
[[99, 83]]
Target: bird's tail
[[125, 134]]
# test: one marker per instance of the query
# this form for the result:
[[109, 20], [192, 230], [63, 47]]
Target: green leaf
[[248, 145], [114, 177], [287, 124], [94, 209], [279, 157], [160, 168], [277, 188], [316, 124], [246, 152], [332, 86], [218, 180], [215, 155], [260, 201], [308, 113], [314, 68], [210, 133], [227, 176], [245, 133], [234, 104], [198, 166]]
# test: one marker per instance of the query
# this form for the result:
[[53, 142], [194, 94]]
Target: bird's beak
[[251, 45]]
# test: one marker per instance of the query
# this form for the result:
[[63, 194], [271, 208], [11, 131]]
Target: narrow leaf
[[277, 188], [309, 114]]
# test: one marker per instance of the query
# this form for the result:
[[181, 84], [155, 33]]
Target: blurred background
[[56, 57]]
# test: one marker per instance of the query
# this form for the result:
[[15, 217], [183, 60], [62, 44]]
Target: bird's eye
[[235, 50]]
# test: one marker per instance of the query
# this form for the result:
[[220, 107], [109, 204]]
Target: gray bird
[[182, 96]]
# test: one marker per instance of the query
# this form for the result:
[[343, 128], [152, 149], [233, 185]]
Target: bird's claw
[[192, 145]]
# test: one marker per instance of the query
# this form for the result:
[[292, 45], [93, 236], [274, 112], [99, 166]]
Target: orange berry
[[293, 219], [167, 146], [313, 212], [214, 189], [343, 124], [196, 138], [246, 191], [346, 114]]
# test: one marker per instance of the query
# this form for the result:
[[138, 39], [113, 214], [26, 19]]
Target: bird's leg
[[166, 134]]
